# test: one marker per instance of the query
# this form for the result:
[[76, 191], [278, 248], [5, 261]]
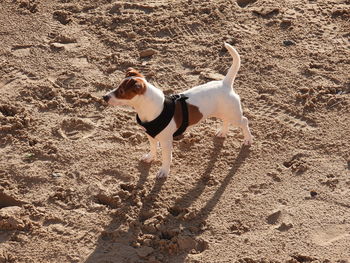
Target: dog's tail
[[232, 72]]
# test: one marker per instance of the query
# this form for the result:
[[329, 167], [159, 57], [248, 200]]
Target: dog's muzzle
[[106, 98]]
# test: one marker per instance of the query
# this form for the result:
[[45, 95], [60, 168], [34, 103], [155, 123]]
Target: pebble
[[288, 43], [57, 46], [144, 251], [56, 175], [147, 52], [313, 193], [131, 35]]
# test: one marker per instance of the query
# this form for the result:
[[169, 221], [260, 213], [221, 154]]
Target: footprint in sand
[[21, 51], [327, 235], [7, 200], [75, 129], [244, 3], [7, 110], [281, 219], [17, 76]]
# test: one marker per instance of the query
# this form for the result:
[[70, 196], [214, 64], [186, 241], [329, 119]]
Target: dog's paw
[[221, 134], [162, 173], [248, 141], [148, 158]]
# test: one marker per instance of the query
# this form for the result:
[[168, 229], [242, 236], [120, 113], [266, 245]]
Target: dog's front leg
[[152, 155], [166, 158]]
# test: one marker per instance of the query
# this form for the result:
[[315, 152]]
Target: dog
[[163, 117]]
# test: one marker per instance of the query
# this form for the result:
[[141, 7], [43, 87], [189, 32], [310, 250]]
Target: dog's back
[[215, 98]]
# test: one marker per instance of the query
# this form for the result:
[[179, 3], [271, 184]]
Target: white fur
[[213, 99]]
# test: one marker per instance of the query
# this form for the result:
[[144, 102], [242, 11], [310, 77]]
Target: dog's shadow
[[110, 233], [148, 204], [184, 203]]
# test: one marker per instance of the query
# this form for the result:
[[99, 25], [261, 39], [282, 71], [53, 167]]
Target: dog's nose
[[106, 98]]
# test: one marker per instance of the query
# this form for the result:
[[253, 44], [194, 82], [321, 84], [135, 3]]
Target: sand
[[72, 188]]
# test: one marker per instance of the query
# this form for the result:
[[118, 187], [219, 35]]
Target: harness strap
[[154, 127], [182, 98]]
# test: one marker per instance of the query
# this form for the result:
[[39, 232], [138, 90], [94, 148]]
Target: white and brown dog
[[213, 99]]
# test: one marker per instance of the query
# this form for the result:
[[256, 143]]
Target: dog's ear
[[129, 88], [131, 72]]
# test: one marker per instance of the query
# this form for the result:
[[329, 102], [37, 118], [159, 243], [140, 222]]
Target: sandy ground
[[72, 188]]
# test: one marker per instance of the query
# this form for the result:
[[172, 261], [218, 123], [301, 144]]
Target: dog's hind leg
[[243, 124]]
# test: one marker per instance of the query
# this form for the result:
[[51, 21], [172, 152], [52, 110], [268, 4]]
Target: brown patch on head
[[194, 115], [129, 88], [131, 72]]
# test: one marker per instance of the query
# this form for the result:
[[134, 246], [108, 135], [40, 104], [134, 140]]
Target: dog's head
[[132, 86]]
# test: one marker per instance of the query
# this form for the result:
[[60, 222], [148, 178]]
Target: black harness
[[153, 128]]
